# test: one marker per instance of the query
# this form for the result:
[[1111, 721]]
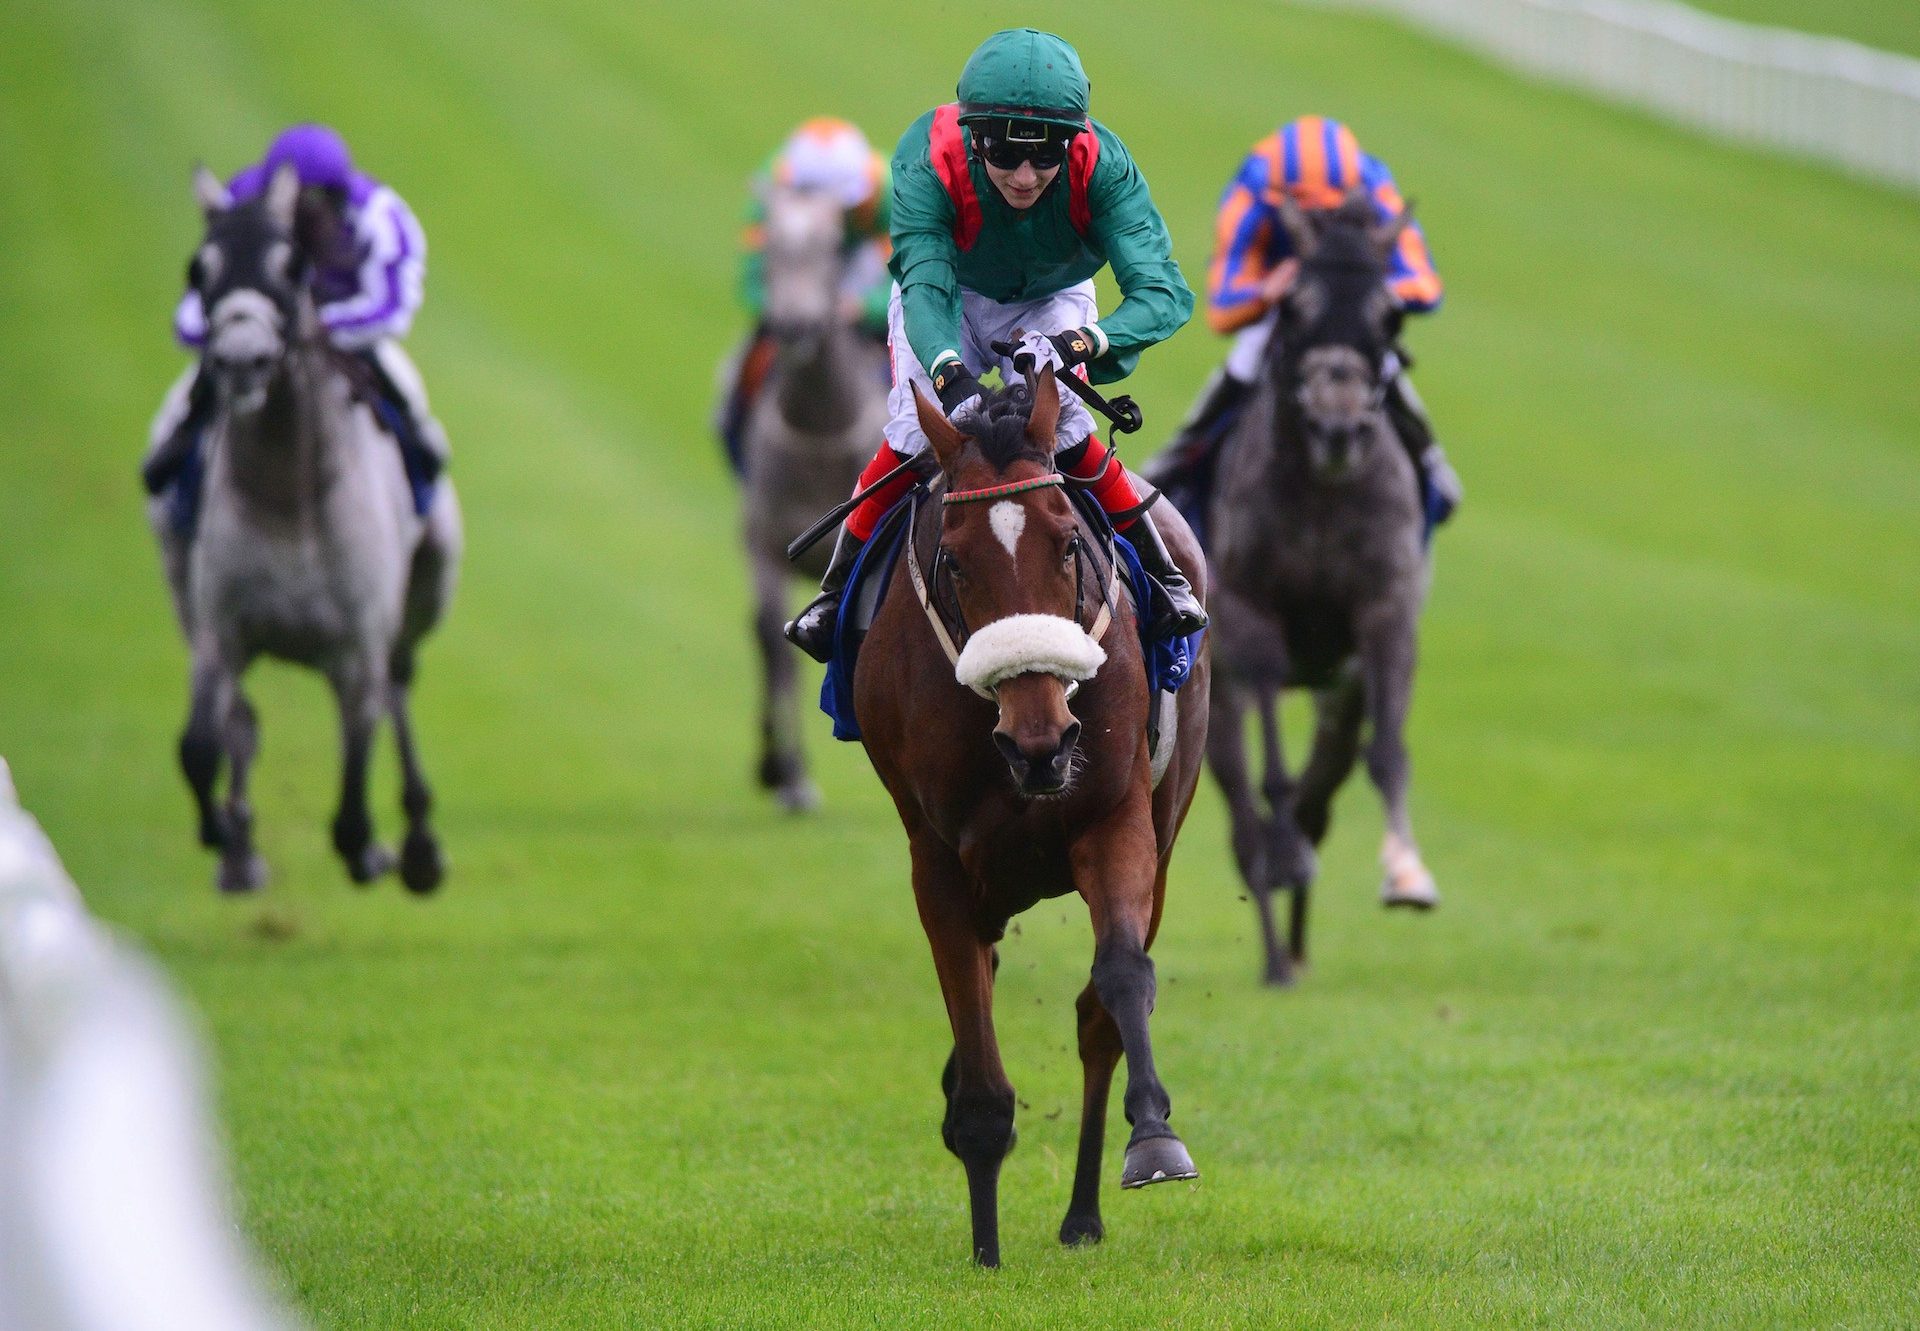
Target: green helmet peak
[[1025, 74]]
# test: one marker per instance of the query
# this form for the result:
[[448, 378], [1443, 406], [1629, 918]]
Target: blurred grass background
[[659, 1056]]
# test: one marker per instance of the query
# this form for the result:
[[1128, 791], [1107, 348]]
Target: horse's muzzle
[[1041, 766]]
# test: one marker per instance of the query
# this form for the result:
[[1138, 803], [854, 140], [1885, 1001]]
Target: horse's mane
[[1345, 238], [999, 426]]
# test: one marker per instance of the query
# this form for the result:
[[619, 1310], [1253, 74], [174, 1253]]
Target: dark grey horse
[[307, 546], [1320, 571], [817, 420]]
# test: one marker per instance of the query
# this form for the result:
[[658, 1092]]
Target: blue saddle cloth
[[423, 469], [875, 566], [1169, 661]]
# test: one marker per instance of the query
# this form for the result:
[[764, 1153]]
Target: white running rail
[[1851, 106]]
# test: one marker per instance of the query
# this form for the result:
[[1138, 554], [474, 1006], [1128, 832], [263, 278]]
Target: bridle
[[924, 588]]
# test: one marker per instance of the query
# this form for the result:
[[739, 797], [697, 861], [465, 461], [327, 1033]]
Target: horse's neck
[[283, 458], [818, 384]]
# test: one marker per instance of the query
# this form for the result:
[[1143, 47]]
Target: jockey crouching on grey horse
[[1315, 162], [367, 292], [1005, 205]]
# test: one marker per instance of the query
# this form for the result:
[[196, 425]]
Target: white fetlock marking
[[1027, 644], [1407, 874]]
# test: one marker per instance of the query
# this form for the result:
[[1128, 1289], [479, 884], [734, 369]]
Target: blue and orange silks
[[1316, 161]]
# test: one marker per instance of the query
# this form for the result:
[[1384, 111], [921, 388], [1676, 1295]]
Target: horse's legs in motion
[[782, 765], [1338, 713], [241, 867], [361, 692], [1100, 1050], [1227, 756], [1116, 867], [978, 1126], [421, 864], [1386, 665], [201, 748], [1289, 854]]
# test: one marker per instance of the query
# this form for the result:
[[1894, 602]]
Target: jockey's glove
[[1061, 351], [957, 386]]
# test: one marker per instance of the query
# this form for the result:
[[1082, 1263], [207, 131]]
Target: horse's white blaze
[[1028, 644], [1008, 520]]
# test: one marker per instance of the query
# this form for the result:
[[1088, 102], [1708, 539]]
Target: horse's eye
[[1072, 549]]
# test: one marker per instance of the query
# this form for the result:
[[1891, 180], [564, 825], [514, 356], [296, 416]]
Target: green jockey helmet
[[1024, 75]]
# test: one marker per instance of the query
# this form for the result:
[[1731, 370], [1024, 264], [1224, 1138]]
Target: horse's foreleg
[[202, 742], [1117, 870], [1100, 1050], [1289, 853], [1386, 663], [422, 865], [783, 766], [241, 868], [1338, 714], [1227, 757], [361, 692], [978, 1126]]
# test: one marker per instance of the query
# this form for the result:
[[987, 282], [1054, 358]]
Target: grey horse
[[809, 431], [1320, 573], [307, 547]]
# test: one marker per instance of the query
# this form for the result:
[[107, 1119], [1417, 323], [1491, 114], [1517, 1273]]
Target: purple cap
[[317, 154]]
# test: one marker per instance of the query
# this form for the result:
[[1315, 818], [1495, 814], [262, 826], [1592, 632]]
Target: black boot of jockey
[[1440, 488], [1176, 611], [1221, 398], [164, 466], [812, 629]]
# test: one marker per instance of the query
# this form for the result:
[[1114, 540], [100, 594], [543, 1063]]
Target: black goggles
[[1006, 153]]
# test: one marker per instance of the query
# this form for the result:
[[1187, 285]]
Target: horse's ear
[[1045, 416], [213, 196], [283, 192], [947, 441], [1299, 230], [1387, 235]]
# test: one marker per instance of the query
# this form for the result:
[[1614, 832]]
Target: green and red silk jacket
[[953, 231]]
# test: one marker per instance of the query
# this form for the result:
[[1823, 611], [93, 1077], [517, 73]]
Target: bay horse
[[1316, 543], [810, 430], [1009, 796], [307, 546]]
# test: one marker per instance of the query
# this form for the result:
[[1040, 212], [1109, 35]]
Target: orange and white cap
[[832, 156]]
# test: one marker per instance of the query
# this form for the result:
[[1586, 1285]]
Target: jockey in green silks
[[1006, 203]]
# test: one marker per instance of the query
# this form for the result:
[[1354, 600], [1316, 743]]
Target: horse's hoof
[[1078, 1229], [1407, 882], [213, 834], [1156, 1160], [422, 866], [248, 874], [800, 796], [1280, 975], [375, 861], [1414, 891]]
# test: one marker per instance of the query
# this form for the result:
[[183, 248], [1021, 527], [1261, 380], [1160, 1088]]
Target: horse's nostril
[[1010, 750], [1068, 738]]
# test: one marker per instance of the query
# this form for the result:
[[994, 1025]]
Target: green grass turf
[[658, 1056], [1892, 24]]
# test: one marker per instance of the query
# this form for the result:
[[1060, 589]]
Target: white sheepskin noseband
[[1027, 644]]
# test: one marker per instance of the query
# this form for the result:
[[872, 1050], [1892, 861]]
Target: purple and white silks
[[370, 300]]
